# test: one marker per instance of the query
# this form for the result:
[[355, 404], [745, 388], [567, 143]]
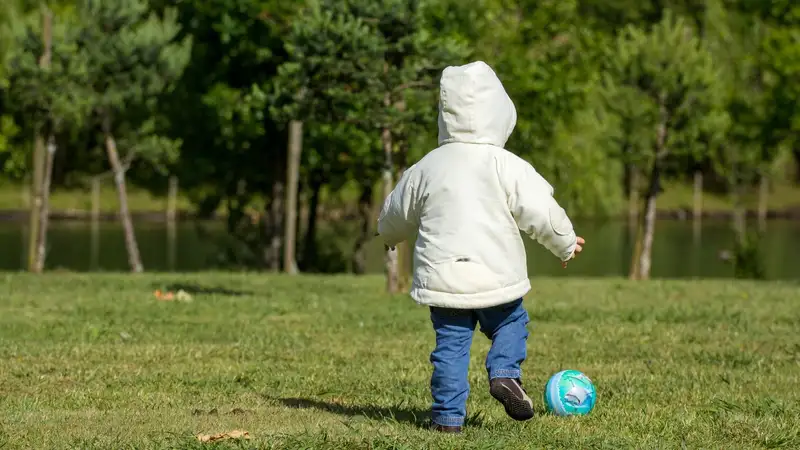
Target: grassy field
[[676, 196], [15, 197], [96, 361]]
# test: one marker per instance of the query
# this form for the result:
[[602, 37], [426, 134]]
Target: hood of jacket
[[474, 107]]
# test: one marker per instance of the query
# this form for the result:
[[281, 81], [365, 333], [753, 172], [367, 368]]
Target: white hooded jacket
[[463, 205]]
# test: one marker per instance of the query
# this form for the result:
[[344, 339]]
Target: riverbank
[[676, 202], [160, 216]]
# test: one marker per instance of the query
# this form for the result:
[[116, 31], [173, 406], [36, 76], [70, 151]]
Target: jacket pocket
[[459, 275]]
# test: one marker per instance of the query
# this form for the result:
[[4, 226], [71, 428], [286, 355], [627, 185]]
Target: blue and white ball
[[569, 393]]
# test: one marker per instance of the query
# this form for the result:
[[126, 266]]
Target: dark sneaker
[[510, 393], [445, 428]]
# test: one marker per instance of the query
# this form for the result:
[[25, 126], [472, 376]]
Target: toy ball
[[569, 393]]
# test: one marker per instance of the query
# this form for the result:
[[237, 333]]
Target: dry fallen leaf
[[235, 434], [164, 296]]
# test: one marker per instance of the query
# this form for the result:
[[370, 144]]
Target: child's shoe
[[445, 428], [510, 393]]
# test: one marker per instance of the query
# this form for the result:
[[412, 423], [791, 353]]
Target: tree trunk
[[171, 216], [633, 193], [637, 251], [763, 202], [359, 262], [39, 156], [649, 224], [697, 208], [292, 180], [41, 253], [739, 219], [276, 219], [642, 258], [633, 216], [310, 245], [134, 260], [36, 202], [302, 203], [94, 258], [392, 276]]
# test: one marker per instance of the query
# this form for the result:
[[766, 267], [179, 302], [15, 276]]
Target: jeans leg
[[506, 326], [449, 382]]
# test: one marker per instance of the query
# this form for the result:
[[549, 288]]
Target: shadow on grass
[[413, 416], [196, 289]]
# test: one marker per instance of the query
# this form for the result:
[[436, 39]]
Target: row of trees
[[91, 74], [254, 102]]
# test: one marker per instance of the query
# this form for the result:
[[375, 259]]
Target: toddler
[[463, 206]]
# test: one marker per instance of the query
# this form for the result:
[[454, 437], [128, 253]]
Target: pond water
[[680, 249]]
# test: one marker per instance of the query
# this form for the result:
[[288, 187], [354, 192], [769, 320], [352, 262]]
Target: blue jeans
[[505, 325]]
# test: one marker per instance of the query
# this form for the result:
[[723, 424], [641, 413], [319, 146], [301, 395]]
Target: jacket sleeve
[[399, 218], [531, 202]]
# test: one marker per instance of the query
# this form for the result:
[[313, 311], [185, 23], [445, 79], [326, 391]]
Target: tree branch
[[126, 163]]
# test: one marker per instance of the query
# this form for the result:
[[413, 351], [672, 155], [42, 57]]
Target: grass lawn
[[15, 197], [681, 196], [676, 196], [96, 361]]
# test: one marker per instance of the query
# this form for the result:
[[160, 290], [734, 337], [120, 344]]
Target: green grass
[[681, 196], [15, 197], [95, 361], [675, 196]]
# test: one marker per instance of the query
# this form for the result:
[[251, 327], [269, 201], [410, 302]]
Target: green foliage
[[757, 49], [331, 70], [549, 63], [367, 65], [747, 258], [131, 51], [587, 177], [241, 114], [220, 108], [665, 74], [50, 100], [55, 97], [133, 58], [9, 18], [12, 163], [203, 89]]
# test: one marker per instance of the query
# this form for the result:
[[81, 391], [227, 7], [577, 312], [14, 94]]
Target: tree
[[332, 55], [339, 155], [234, 152], [549, 61], [133, 59], [10, 17], [365, 63], [756, 47], [669, 71], [414, 56], [48, 87]]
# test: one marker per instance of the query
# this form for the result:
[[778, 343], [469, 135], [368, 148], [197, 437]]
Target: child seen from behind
[[462, 207]]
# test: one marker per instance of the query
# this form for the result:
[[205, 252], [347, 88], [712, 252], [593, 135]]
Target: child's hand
[[578, 249]]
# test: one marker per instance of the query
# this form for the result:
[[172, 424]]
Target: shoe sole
[[517, 408]]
